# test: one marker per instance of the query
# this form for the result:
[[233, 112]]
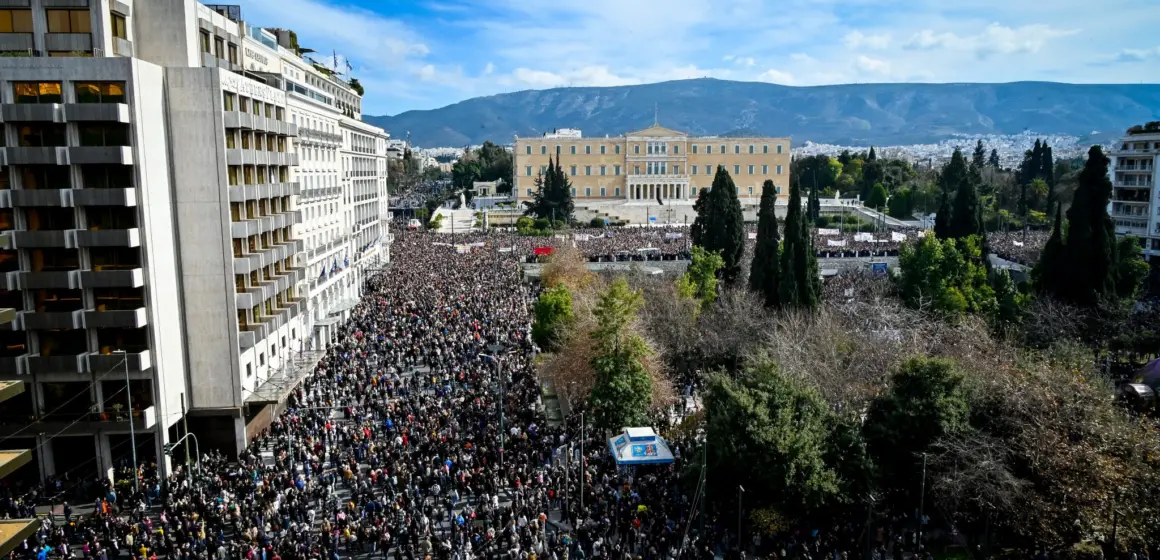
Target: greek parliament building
[[183, 201], [655, 163]]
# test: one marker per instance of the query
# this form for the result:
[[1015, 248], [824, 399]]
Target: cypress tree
[[942, 218], [872, 155], [800, 285], [813, 204], [1047, 173], [763, 270], [993, 161], [1049, 272], [1091, 249], [719, 225], [953, 179], [966, 210], [979, 158]]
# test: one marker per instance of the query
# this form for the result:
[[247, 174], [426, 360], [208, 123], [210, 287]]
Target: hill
[[882, 114]]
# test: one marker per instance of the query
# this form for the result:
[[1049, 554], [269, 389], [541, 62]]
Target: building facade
[[653, 163], [152, 237], [1135, 206]]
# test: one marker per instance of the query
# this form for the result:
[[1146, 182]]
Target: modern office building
[[151, 240], [651, 164], [1135, 206], [364, 163]]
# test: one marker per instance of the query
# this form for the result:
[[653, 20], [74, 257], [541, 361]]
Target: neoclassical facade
[[650, 164]]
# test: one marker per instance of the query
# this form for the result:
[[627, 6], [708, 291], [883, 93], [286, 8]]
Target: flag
[[345, 262], [323, 274]]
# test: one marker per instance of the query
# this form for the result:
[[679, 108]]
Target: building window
[[587, 150], [751, 190], [736, 169], [616, 191], [751, 170], [779, 148], [602, 168], [708, 169], [779, 170], [233, 50], [636, 170], [573, 149], [120, 30], [204, 42], [676, 148], [100, 92], [618, 148], [636, 148], [219, 47], [37, 92], [693, 191], [528, 171], [602, 146], [722, 148], [708, 148], [68, 21], [751, 148], [602, 192], [15, 21], [543, 169], [765, 148], [777, 190], [573, 191], [694, 148], [693, 169], [616, 170], [573, 170], [529, 192], [587, 170], [765, 170], [587, 191], [543, 150], [111, 134], [529, 150]]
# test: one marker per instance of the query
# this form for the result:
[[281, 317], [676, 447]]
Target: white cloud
[[538, 78], [774, 76], [1137, 55], [994, 39], [803, 58], [727, 58], [872, 65], [857, 39], [426, 72], [489, 69]]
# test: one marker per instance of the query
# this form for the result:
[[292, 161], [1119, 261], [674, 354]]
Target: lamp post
[[132, 430], [196, 449], [496, 349], [740, 492]]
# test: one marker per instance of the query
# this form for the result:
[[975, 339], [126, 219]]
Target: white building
[[1135, 206], [152, 233], [364, 163]]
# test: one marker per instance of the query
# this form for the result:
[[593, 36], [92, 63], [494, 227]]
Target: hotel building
[[153, 243], [1135, 206], [655, 163]]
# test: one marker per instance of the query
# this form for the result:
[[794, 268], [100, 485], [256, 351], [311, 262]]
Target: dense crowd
[[420, 435], [1019, 246]]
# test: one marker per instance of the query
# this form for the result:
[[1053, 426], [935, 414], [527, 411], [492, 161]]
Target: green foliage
[[489, 162], [764, 272], [357, 86], [946, 276], [719, 226], [799, 283], [877, 196], [993, 159], [596, 222], [901, 205], [966, 215], [770, 433], [623, 389], [1131, 269], [435, 222], [553, 313], [700, 279], [422, 214], [926, 401], [1009, 302], [553, 196]]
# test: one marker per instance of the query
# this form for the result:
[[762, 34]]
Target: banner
[[835, 243], [1017, 243], [895, 236], [581, 236], [828, 231], [504, 249], [561, 237], [753, 235], [672, 235], [540, 251], [462, 249], [862, 236], [878, 268]]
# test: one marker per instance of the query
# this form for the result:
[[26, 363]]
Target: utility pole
[[185, 428], [132, 430], [583, 471], [740, 493], [921, 499]]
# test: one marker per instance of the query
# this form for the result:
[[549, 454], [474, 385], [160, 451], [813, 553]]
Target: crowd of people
[[422, 434], [1019, 246]]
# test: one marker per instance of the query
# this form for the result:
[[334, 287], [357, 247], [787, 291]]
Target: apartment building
[[364, 163], [651, 164], [1135, 206]]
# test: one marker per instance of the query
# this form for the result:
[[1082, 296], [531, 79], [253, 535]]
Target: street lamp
[[496, 349], [132, 430], [169, 447], [740, 492]]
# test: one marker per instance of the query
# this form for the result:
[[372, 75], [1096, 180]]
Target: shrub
[[596, 222]]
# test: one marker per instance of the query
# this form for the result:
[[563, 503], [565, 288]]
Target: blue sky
[[424, 54]]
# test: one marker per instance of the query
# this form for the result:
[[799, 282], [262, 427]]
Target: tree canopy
[[719, 226]]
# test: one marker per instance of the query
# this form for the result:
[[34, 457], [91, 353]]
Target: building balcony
[[33, 112], [138, 361], [68, 42], [108, 238], [104, 197], [116, 318], [38, 155], [63, 279], [13, 42], [250, 335], [242, 193], [98, 112], [64, 239], [113, 278], [41, 197], [10, 280], [37, 320], [65, 363], [123, 47], [13, 366], [118, 155]]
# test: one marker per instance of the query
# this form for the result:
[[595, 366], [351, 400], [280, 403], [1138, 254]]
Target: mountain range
[[851, 114]]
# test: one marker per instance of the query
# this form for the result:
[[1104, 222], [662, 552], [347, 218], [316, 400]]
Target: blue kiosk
[[639, 446]]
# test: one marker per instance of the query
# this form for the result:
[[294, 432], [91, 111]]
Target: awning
[[13, 459], [278, 386], [344, 305], [639, 446], [14, 531], [9, 389]]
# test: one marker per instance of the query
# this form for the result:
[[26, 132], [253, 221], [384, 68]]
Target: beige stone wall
[[688, 156]]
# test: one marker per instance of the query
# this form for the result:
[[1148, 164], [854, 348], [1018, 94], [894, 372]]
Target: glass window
[[779, 148], [737, 148], [587, 191], [751, 170], [694, 148], [104, 134], [204, 42], [573, 150], [588, 170], [618, 148], [602, 146], [617, 191], [765, 148], [708, 148], [722, 148], [603, 192], [573, 191], [572, 171], [765, 170], [736, 169], [529, 150], [68, 21], [15, 21], [100, 92], [233, 54], [528, 171], [587, 150], [694, 169], [120, 30], [636, 148], [39, 135], [602, 168], [616, 170], [228, 101], [779, 170], [37, 92], [543, 150]]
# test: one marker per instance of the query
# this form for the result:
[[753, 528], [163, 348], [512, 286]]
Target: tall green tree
[[1050, 270], [623, 389], [871, 156], [799, 284], [764, 268], [1047, 173], [945, 276], [877, 197], [719, 226], [1091, 249], [979, 157], [955, 176], [1131, 269], [553, 314], [993, 161], [552, 199], [700, 279], [966, 214], [770, 433]]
